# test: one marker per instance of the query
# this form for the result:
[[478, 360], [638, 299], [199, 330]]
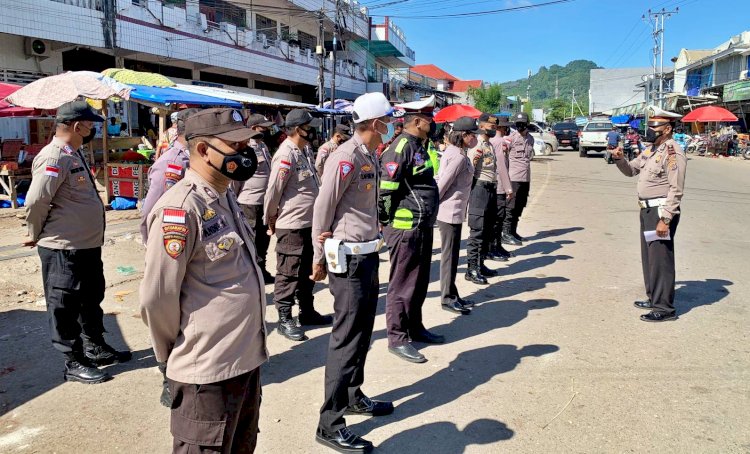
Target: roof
[[461, 86], [433, 71], [240, 96], [693, 55], [168, 95]]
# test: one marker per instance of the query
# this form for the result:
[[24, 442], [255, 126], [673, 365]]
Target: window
[[598, 126], [266, 26], [306, 40]]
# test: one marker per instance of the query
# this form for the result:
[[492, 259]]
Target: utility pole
[[557, 91], [333, 55], [656, 19], [572, 103], [320, 51]]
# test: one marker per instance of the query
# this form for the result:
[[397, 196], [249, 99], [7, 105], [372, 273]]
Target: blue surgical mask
[[388, 135]]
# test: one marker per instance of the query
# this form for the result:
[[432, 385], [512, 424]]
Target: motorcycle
[[697, 144]]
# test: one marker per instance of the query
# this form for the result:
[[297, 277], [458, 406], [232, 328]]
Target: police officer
[[65, 218], [482, 203], [661, 181], [340, 135], [504, 186], [454, 186], [168, 169], [407, 209], [202, 292], [250, 193], [521, 150], [345, 226], [292, 189]]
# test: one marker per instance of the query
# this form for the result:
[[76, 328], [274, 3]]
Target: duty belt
[[652, 203], [367, 247], [486, 183]]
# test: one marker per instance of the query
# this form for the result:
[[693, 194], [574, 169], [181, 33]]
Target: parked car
[[566, 134], [540, 148], [594, 137], [547, 137]]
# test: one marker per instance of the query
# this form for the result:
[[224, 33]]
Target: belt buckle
[[356, 249]]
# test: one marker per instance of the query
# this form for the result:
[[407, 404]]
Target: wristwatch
[[666, 221]]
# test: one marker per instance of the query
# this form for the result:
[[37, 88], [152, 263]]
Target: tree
[[558, 110], [528, 108], [488, 99]]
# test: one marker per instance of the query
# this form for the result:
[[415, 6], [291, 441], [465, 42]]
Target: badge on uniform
[[391, 168], [283, 173], [52, 171], [366, 187], [208, 214], [81, 179], [345, 168], [285, 165], [225, 244], [231, 166], [174, 238], [366, 168], [170, 179], [173, 216], [418, 159], [67, 149], [215, 226]]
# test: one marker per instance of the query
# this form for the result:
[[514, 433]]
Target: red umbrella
[[6, 110], [709, 113], [456, 111]]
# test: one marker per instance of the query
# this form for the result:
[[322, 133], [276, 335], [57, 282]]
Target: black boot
[[500, 250], [166, 395], [496, 254], [486, 271], [508, 238], [473, 275], [100, 354], [514, 231], [79, 368], [288, 327]]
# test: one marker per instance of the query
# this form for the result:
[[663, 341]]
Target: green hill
[[573, 76]]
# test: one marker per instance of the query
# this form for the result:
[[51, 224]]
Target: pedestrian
[[504, 187], [661, 171], [202, 292], [521, 150], [340, 135], [113, 129], [250, 193], [288, 205], [482, 203], [454, 187], [345, 228], [407, 209], [167, 170], [613, 137], [65, 218]]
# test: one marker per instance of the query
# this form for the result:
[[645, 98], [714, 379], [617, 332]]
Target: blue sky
[[610, 32]]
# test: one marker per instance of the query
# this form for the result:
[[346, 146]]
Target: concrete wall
[[612, 88]]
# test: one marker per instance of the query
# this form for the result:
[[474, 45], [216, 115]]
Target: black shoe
[[507, 238], [289, 329], [102, 354], [475, 277], [518, 237], [456, 307], [268, 278], [644, 304], [484, 271], [83, 371], [497, 257], [466, 303], [505, 253], [427, 337], [166, 396], [343, 440], [654, 316], [367, 407], [313, 318], [409, 353]]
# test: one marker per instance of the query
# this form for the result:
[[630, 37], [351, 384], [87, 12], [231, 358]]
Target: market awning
[[245, 98], [168, 95]]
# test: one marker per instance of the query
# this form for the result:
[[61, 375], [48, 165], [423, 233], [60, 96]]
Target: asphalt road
[[553, 359]]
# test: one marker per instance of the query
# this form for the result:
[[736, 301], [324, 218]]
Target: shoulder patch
[[345, 168], [173, 216], [401, 144], [391, 168], [52, 171], [174, 238], [285, 164]]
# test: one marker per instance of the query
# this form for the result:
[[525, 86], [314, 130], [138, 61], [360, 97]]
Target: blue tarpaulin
[[168, 95], [621, 119]]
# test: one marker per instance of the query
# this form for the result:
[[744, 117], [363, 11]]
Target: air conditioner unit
[[744, 75], [35, 47]]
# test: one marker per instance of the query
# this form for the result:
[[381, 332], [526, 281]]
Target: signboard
[[737, 91]]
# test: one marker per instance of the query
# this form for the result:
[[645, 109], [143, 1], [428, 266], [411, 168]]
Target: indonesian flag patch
[[391, 168], [345, 168], [174, 168], [52, 171], [173, 216], [285, 164]]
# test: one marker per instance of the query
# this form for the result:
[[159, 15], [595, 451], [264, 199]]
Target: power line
[[477, 13]]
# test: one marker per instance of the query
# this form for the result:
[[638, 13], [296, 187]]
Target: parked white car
[[540, 148], [547, 138]]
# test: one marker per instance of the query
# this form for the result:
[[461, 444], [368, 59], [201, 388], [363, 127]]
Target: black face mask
[[238, 167], [652, 135], [310, 134], [521, 126], [261, 137], [433, 129], [489, 132], [90, 137]]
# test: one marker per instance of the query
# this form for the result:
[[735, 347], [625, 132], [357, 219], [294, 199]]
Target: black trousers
[[516, 205], [355, 300], [254, 216], [294, 254], [500, 215], [482, 208], [217, 417], [74, 289], [411, 252], [450, 245], [657, 258]]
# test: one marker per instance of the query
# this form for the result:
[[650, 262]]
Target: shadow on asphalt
[[446, 437], [692, 294], [463, 375], [30, 366]]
